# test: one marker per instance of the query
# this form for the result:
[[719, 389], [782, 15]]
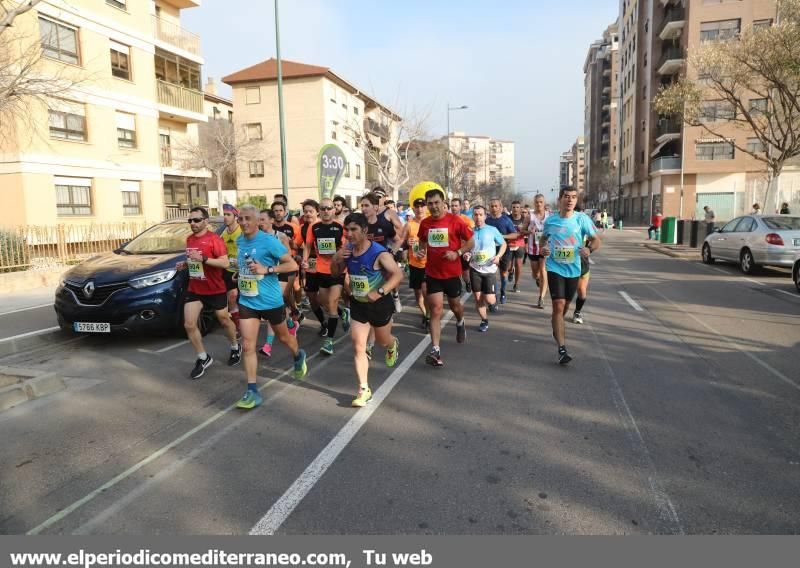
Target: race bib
[[438, 238], [359, 285], [248, 286], [537, 236], [196, 269], [312, 264], [483, 256], [326, 246], [564, 255]]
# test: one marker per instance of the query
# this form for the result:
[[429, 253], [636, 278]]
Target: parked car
[[755, 240], [136, 288], [796, 271]]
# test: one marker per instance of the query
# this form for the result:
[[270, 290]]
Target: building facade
[[482, 161], [566, 169], [579, 166], [320, 108], [95, 153]]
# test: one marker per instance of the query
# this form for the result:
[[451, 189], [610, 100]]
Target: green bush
[[12, 252], [259, 201]]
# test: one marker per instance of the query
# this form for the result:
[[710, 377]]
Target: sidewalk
[[675, 251]]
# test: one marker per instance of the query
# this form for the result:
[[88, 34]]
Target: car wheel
[[796, 276], [707, 258], [746, 262]]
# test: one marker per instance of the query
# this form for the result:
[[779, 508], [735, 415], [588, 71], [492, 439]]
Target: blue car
[[135, 289]]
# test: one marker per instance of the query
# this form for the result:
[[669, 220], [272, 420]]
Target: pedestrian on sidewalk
[[655, 226], [756, 209], [785, 209]]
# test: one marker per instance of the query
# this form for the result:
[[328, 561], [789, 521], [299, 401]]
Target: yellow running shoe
[[392, 353], [364, 396]]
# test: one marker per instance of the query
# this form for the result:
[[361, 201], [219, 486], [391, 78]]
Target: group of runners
[[350, 266]]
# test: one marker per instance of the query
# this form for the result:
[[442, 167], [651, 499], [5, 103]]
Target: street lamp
[[284, 180], [447, 153]]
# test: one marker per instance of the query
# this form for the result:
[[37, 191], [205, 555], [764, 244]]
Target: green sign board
[[330, 168]]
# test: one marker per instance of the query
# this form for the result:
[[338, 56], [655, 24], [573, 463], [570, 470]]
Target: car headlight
[[152, 279]]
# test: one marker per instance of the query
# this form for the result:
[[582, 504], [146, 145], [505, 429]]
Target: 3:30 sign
[[331, 164]]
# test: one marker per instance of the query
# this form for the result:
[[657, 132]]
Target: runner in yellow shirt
[[232, 232], [416, 265]]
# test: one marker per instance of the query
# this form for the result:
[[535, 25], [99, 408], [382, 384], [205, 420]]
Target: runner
[[261, 258], [229, 235], [583, 285], [517, 246], [562, 245], [455, 209], [416, 265], [207, 259], [310, 217], [322, 241], [443, 238], [386, 213], [535, 227], [292, 231], [373, 275], [339, 205], [502, 223], [265, 221], [483, 261]]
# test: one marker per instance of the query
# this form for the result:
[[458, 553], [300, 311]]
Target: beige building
[[484, 161], [95, 153], [320, 107], [666, 165], [566, 169], [579, 165]]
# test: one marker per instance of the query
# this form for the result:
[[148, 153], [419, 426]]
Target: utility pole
[[284, 177]]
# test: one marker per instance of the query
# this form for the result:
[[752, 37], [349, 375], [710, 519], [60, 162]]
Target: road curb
[[687, 255], [13, 346], [27, 385]]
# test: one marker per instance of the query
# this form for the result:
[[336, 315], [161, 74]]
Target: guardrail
[[174, 34]]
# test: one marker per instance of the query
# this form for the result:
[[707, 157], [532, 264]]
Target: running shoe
[[502, 298], [200, 367], [364, 396], [516, 289], [266, 350], [484, 326], [398, 307], [300, 367], [461, 332], [563, 356], [392, 353], [493, 308], [236, 356], [294, 328], [369, 352], [250, 400], [540, 304], [323, 330], [577, 318], [434, 358], [305, 303], [327, 347], [346, 319]]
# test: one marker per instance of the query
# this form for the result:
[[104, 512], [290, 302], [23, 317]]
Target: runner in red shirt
[[206, 259], [443, 238]]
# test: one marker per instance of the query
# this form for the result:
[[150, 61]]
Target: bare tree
[[752, 83], [10, 10]]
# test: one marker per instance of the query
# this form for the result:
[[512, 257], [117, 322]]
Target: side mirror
[[122, 246]]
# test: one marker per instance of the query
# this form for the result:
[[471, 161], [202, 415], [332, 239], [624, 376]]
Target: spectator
[[655, 225], [604, 219], [710, 217], [756, 209], [785, 209]]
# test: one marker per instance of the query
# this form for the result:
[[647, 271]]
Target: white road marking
[[152, 457], [50, 305], [795, 296], [165, 349], [631, 301], [287, 503], [30, 334], [725, 272], [754, 281], [666, 509]]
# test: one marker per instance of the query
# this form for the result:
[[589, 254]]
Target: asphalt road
[[680, 414]]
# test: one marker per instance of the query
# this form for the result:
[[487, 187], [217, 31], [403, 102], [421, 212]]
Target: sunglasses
[[196, 220], [326, 208]]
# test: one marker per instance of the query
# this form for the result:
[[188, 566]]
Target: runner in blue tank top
[[374, 274]]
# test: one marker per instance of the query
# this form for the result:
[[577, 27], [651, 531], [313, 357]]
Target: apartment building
[[601, 113], [216, 107], [483, 161], [667, 165], [579, 165], [566, 169], [320, 107], [96, 152]]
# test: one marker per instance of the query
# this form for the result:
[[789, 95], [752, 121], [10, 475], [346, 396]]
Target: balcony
[[668, 128], [172, 34], [179, 97], [674, 20], [184, 3], [671, 61], [374, 127], [665, 164]]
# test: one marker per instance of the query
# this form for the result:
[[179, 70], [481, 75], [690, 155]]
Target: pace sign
[[330, 168]]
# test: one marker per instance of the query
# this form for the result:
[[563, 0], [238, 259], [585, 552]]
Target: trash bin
[[694, 233], [619, 225], [669, 231], [682, 230]]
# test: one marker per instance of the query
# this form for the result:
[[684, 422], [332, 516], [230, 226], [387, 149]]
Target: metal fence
[[31, 246]]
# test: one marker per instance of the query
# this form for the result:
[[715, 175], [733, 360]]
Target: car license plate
[[89, 327]]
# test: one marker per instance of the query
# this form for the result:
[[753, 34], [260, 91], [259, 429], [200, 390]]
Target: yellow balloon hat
[[421, 189]]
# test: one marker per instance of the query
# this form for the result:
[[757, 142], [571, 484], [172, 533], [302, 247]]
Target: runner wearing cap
[[416, 265], [232, 232]]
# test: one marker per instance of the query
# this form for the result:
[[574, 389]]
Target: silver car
[[755, 240], [796, 271]]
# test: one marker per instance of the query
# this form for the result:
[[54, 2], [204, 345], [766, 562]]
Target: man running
[[502, 223], [517, 246], [416, 265], [292, 232], [310, 217], [443, 238], [483, 261], [339, 205], [455, 209], [265, 221], [207, 259], [562, 245], [373, 275], [535, 228], [229, 236], [261, 258], [324, 239], [385, 214]]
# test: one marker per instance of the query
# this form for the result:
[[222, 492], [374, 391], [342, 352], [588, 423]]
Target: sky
[[517, 65]]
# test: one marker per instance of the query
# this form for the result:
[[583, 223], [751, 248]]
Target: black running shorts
[[376, 314], [562, 288], [214, 302], [416, 277], [275, 316], [450, 287], [481, 282]]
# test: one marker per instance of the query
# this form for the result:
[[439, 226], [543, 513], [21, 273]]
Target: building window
[[67, 121], [176, 70], [358, 171], [762, 24], [347, 169], [131, 202], [758, 106], [121, 4], [252, 96], [73, 196], [165, 149], [230, 116], [333, 134], [254, 131], [355, 110], [257, 169], [216, 114], [120, 61], [714, 151], [755, 146], [59, 41], [712, 111], [720, 31], [126, 130]]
